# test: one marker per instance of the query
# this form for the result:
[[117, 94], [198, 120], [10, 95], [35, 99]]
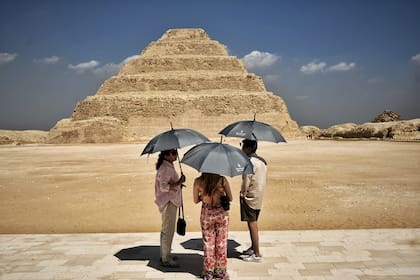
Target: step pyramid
[[184, 78]]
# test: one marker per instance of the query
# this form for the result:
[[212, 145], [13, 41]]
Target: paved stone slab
[[313, 255]]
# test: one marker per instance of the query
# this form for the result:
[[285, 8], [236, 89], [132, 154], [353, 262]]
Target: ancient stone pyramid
[[184, 78]]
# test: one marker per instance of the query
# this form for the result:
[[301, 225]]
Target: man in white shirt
[[251, 197]]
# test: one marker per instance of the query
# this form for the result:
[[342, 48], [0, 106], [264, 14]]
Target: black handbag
[[181, 225], [224, 200]]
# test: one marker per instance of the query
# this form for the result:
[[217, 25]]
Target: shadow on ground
[[197, 244], [189, 262]]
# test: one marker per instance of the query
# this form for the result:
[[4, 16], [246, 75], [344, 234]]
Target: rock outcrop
[[185, 78], [392, 130], [311, 131], [18, 137], [387, 116]]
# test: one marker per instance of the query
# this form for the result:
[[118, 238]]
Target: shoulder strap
[[181, 208], [260, 158]]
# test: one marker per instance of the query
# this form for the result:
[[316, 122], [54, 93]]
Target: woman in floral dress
[[209, 188]]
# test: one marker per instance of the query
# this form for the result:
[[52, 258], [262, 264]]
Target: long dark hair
[[210, 183], [162, 157]]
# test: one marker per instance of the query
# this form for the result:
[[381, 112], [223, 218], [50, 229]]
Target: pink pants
[[214, 227]]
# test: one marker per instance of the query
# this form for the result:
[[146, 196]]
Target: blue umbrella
[[174, 139], [253, 130], [218, 158]]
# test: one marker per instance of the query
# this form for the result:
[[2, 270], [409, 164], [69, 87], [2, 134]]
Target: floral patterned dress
[[214, 225]]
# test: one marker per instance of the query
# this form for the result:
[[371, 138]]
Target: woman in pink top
[[168, 199], [209, 188]]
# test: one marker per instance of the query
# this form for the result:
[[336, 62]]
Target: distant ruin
[[387, 116], [184, 78]]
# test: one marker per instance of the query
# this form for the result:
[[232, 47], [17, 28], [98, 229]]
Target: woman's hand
[[181, 179]]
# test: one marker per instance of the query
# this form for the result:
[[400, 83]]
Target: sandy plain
[[110, 188]]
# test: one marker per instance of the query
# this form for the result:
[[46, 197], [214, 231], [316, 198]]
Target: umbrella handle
[[180, 168], [179, 161], [182, 173]]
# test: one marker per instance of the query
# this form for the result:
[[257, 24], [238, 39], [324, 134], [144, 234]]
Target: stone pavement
[[316, 255]]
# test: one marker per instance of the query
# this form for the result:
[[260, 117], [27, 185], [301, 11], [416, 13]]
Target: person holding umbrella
[[214, 160], [251, 198], [253, 185], [168, 198], [214, 219], [168, 185]]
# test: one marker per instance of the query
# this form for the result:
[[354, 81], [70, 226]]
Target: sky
[[331, 61]]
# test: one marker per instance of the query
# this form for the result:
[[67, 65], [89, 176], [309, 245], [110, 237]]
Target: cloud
[[84, 66], [110, 69], [128, 59], [313, 67], [257, 59], [416, 58], [342, 66], [7, 57], [107, 70], [47, 60]]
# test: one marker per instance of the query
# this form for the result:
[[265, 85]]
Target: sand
[[109, 188]]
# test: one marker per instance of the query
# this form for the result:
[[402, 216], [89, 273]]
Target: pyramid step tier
[[185, 34], [191, 82], [126, 106], [174, 48], [182, 63]]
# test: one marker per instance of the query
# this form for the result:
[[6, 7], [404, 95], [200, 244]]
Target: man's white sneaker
[[252, 258], [248, 252]]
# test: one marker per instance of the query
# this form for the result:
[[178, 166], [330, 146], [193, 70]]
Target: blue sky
[[331, 61]]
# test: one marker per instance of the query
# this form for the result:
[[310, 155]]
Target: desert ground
[[110, 188]]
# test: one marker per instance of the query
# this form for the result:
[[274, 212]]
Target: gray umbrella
[[253, 130], [218, 158], [174, 139]]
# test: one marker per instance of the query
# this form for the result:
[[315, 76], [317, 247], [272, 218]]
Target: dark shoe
[[169, 264]]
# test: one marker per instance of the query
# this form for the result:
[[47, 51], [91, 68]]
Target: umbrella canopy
[[253, 130], [174, 139], [218, 158]]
